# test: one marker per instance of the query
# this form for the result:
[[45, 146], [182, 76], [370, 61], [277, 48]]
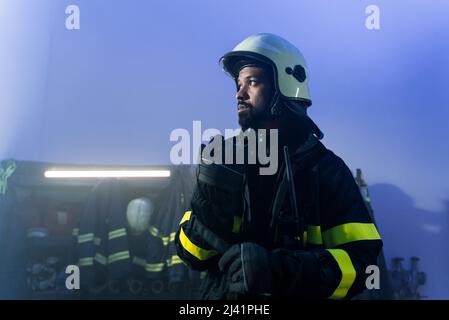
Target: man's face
[[254, 93]]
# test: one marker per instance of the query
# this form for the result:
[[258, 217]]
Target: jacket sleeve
[[344, 244], [191, 247]]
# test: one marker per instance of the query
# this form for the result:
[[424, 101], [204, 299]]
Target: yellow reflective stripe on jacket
[[194, 250], [88, 261], [341, 234], [154, 267], [165, 240], [101, 259], [235, 227], [171, 238], [186, 217], [84, 262], [122, 255], [313, 235], [173, 261], [348, 272], [82, 238], [154, 232], [117, 233], [237, 224], [157, 267], [349, 232]]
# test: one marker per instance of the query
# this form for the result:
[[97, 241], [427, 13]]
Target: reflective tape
[[122, 255], [174, 260], [101, 259], [139, 261], [82, 238], [84, 262], [165, 239], [154, 267], [349, 232], [186, 217], [313, 235], [237, 224], [154, 232], [348, 272], [194, 250], [157, 267], [117, 233]]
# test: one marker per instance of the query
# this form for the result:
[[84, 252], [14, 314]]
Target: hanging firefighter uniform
[[102, 240], [105, 249], [161, 260]]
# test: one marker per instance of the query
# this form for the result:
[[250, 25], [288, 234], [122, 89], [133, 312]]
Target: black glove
[[247, 267]]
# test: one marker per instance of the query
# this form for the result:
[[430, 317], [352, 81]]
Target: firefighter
[[303, 232]]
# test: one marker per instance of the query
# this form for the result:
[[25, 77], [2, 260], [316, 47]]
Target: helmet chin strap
[[276, 107]]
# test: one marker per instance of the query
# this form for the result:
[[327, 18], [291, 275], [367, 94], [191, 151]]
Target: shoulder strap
[[312, 149]]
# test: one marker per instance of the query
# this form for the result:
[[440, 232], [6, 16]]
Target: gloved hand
[[247, 266]]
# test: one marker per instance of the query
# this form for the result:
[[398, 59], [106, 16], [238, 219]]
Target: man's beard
[[252, 119]]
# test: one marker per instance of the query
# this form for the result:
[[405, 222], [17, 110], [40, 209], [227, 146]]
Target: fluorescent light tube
[[107, 173]]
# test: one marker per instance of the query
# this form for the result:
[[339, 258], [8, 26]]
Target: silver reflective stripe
[[118, 256], [101, 259], [174, 260], [82, 238], [139, 261], [88, 261], [117, 233], [154, 267]]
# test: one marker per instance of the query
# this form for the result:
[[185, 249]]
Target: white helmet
[[138, 214], [288, 63]]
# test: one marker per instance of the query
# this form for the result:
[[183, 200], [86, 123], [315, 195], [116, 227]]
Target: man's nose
[[241, 94]]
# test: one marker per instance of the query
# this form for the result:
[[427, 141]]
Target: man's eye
[[252, 82]]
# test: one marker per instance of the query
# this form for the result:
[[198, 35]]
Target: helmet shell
[[289, 66]]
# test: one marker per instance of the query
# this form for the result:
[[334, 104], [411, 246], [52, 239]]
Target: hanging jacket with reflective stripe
[[330, 258], [102, 237], [161, 260]]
